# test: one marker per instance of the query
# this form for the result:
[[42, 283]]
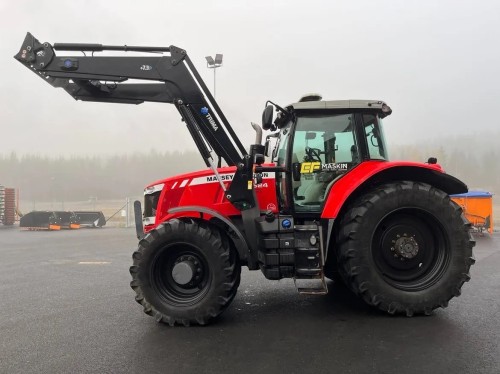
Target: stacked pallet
[[7, 205]]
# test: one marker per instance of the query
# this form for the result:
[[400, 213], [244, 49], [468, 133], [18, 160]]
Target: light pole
[[214, 64]]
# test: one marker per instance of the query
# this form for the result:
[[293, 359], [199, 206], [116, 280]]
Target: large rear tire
[[405, 248], [185, 272]]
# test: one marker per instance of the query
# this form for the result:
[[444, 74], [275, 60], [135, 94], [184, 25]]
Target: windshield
[[325, 139]]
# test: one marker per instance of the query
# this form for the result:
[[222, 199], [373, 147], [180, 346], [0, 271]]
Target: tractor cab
[[319, 142]]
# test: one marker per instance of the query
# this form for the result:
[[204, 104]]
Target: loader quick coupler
[[36, 53]]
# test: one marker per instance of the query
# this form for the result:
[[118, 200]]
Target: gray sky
[[436, 63]]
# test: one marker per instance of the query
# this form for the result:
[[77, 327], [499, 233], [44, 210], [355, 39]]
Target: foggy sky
[[436, 63]]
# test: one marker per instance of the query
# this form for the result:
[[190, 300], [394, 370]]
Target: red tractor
[[330, 204]]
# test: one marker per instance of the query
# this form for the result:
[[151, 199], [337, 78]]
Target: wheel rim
[[180, 274], [410, 249]]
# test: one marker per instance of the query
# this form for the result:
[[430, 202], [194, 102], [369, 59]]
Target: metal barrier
[[57, 220], [40, 220], [90, 218]]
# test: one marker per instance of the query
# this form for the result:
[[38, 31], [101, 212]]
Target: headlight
[[152, 189]]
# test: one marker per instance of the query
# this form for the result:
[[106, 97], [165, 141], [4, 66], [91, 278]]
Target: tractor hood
[[202, 189]]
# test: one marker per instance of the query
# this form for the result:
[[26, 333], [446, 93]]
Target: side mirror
[[267, 117], [267, 145]]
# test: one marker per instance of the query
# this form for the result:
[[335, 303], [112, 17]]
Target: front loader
[[330, 204]]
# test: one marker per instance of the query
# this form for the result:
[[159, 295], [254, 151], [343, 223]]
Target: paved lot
[[58, 315]]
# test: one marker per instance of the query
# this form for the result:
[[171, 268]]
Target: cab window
[[374, 137]]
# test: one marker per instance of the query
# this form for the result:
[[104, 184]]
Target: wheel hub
[[406, 247], [187, 271], [183, 272]]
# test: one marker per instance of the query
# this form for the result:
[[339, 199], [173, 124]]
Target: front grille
[[150, 204]]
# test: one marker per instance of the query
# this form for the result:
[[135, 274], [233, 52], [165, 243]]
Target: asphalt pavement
[[66, 307]]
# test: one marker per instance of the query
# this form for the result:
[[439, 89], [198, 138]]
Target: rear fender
[[374, 173]]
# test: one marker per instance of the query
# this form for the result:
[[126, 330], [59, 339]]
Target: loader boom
[[174, 80]]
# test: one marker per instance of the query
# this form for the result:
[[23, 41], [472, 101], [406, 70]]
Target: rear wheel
[[405, 248], [185, 272]]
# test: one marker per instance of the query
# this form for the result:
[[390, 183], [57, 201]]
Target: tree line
[[472, 160], [77, 178]]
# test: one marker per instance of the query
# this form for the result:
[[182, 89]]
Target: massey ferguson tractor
[[329, 204]]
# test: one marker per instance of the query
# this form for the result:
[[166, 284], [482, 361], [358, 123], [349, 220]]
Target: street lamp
[[214, 64]]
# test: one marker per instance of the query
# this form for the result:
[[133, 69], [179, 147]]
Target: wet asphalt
[[66, 307]]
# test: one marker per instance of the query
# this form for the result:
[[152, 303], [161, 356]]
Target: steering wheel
[[313, 154]]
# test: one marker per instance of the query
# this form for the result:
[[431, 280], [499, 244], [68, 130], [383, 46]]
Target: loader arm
[[174, 80]]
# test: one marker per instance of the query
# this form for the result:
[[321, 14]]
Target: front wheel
[[405, 248], [185, 272]]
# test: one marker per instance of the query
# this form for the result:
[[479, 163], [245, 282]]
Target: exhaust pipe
[[258, 130]]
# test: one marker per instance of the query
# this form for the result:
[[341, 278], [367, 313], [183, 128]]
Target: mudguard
[[372, 173]]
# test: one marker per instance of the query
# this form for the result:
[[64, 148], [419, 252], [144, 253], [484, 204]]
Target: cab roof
[[342, 104]]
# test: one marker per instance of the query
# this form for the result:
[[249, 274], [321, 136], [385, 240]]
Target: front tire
[[405, 248], [185, 272]]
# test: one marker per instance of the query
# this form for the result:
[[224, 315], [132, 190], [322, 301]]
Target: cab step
[[313, 286]]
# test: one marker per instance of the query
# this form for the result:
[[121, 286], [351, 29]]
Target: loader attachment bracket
[[33, 52]]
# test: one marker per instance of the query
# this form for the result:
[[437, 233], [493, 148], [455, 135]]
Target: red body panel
[[201, 188], [343, 188]]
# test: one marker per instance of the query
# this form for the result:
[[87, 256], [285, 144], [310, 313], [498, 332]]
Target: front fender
[[243, 246], [369, 174]]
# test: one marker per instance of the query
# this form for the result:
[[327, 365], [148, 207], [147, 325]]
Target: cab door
[[281, 158], [322, 150]]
